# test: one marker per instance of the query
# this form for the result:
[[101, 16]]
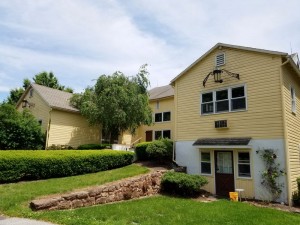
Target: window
[[31, 93], [205, 163], [162, 134], [244, 164], [226, 100], [163, 117], [293, 97], [207, 103], [158, 117], [220, 59], [40, 122]]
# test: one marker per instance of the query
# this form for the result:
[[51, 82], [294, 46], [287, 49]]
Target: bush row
[[182, 184], [160, 150], [94, 146], [296, 194], [34, 165]]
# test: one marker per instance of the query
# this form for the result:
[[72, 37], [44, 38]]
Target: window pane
[[167, 116], [238, 92], [221, 95], [158, 117], [244, 157], [167, 134], [244, 170], [205, 167], [208, 97], [205, 156], [237, 104], [222, 106], [207, 108], [157, 135]]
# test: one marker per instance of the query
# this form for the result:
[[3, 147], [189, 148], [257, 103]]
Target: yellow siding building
[[229, 104], [61, 122], [161, 100]]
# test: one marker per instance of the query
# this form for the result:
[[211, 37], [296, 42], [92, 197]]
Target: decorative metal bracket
[[217, 75]]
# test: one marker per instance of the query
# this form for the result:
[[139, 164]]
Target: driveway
[[21, 221]]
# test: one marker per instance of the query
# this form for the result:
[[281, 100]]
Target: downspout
[[285, 134], [48, 129]]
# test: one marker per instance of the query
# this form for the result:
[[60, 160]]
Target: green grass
[[164, 210], [14, 197]]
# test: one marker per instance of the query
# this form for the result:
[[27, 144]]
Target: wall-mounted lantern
[[217, 75]]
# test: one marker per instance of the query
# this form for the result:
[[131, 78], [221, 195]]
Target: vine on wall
[[271, 173]]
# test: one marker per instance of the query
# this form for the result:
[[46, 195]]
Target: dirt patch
[[154, 166], [277, 206]]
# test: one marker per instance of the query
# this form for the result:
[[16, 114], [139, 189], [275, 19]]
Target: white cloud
[[80, 39]]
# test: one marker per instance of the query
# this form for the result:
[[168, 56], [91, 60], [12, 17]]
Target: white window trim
[[210, 154], [293, 100], [250, 164], [162, 133], [162, 117], [229, 99]]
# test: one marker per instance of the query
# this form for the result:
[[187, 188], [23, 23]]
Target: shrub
[[296, 194], [94, 146], [161, 150], [59, 147], [140, 151], [34, 165], [19, 130], [182, 184]]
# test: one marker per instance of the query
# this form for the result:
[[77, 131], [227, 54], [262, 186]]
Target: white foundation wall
[[189, 156]]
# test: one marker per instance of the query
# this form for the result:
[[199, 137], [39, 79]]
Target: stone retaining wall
[[145, 185]]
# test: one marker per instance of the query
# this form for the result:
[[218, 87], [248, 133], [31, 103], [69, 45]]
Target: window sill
[[244, 178], [218, 113], [206, 174]]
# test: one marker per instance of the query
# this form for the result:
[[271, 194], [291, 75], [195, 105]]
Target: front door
[[224, 172], [149, 135]]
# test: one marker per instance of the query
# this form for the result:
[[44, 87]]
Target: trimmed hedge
[[34, 165], [140, 151], [182, 184], [93, 146], [160, 150], [296, 194]]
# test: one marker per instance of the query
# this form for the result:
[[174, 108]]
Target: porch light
[[217, 75]]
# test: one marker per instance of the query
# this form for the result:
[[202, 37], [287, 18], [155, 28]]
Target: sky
[[79, 40]]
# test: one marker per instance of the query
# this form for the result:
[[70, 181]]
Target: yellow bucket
[[234, 196]]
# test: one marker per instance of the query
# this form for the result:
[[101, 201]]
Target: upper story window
[[158, 134], [31, 93], [157, 104], [293, 98], [225, 100], [163, 117], [220, 59]]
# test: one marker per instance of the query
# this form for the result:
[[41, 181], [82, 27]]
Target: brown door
[[149, 135], [224, 172]]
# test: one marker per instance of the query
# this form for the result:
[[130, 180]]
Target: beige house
[[231, 103], [161, 101], [61, 122]]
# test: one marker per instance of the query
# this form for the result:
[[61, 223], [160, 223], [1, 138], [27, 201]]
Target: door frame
[[215, 167]]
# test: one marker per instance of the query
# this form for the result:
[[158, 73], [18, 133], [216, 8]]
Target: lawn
[[155, 210]]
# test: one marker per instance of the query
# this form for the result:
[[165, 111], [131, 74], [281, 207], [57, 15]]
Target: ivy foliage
[[19, 130], [271, 174], [117, 102]]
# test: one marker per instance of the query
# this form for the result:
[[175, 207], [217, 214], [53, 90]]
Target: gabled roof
[[54, 98], [218, 45], [161, 92]]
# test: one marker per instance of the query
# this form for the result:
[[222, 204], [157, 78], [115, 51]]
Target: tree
[[18, 130], [116, 102], [43, 78]]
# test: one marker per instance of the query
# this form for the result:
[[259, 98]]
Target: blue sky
[[78, 40]]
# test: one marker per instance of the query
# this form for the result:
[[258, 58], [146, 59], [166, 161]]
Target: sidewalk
[[21, 221]]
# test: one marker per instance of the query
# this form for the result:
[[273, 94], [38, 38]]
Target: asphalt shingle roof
[[55, 98], [222, 141], [161, 92]]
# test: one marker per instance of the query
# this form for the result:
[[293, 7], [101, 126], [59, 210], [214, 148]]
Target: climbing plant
[[271, 173]]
